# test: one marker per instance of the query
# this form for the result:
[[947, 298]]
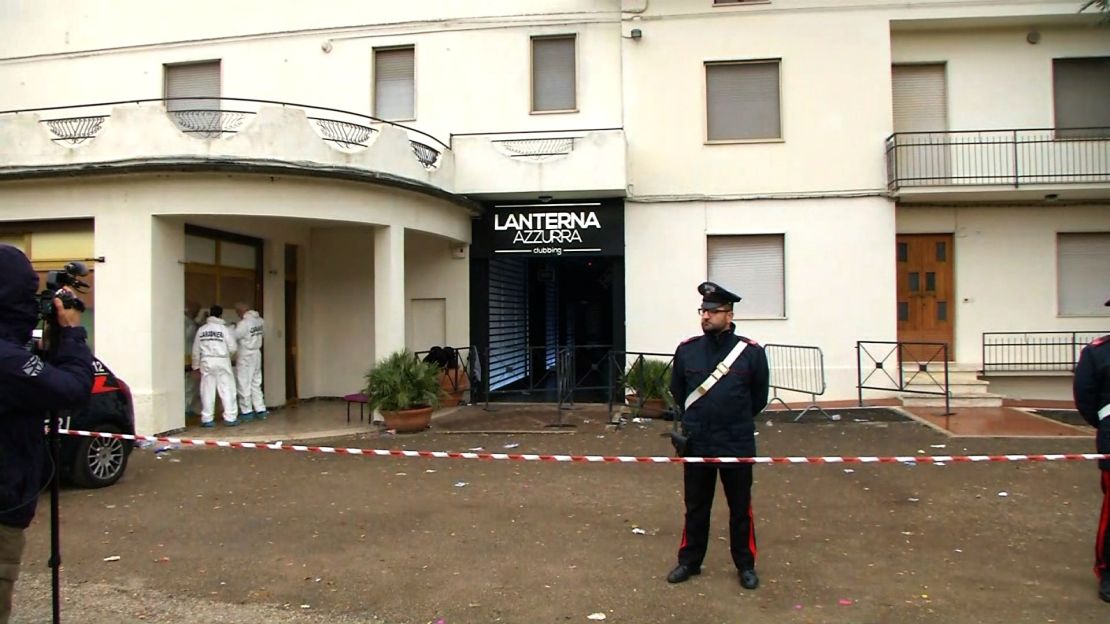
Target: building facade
[[543, 178]]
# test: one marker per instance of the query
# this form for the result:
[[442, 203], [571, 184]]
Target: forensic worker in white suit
[[212, 351], [248, 363]]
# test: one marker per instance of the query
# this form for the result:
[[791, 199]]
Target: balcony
[[524, 164], [221, 133], [999, 165]]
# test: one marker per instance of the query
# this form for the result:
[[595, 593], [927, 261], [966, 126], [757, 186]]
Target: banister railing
[[1009, 157]]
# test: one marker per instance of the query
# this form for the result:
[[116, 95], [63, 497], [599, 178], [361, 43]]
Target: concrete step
[[979, 399], [955, 386]]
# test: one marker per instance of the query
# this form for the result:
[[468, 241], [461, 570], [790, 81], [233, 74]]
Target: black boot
[[1104, 586], [749, 579], [682, 573]]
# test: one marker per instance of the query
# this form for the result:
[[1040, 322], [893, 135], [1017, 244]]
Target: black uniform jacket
[[722, 422], [1092, 390], [29, 387]]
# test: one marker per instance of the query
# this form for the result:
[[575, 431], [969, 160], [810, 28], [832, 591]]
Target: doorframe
[[950, 262]]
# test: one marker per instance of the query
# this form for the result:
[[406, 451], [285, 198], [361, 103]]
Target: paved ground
[[214, 535]]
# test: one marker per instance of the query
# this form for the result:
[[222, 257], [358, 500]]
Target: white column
[[389, 290], [139, 303]]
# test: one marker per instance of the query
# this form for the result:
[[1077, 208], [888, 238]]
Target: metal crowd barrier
[[919, 355], [797, 368]]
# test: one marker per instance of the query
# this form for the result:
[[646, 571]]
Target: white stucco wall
[[995, 78], [838, 273]]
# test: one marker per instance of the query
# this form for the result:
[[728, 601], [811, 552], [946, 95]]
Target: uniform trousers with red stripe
[[700, 481], [1102, 542]]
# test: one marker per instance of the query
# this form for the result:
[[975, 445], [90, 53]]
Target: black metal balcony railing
[[1034, 352], [207, 118], [998, 157]]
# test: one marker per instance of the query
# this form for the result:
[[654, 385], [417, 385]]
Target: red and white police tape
[[610, 459]]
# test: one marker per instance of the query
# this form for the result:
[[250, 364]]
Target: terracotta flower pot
[[408, 421], [651, 408]]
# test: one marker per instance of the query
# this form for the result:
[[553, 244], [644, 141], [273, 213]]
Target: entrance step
[[965, 388], [978, 399], [956, 386]]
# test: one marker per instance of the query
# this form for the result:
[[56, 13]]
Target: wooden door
[[926, 290]]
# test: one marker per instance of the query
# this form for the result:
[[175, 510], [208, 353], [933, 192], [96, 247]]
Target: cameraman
[[29, 388]]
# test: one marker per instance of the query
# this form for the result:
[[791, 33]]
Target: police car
[[98, 462]]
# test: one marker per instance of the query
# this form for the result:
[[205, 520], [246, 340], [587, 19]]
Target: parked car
[[97, 462]]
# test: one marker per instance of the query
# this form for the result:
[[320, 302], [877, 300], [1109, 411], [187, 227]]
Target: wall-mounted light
[[635, 33], [1033, 37]]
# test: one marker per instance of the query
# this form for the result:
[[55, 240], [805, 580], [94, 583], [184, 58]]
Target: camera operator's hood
[[18, 295]]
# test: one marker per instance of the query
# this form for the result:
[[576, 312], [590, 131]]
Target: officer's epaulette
[[749, 341], [690, 339], [1101, 340]]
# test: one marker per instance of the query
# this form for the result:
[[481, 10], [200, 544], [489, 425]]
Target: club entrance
[[547, 297]]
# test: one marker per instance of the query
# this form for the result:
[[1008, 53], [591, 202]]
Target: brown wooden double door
[[926, 289]]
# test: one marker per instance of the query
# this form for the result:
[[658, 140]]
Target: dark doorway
[[291, 393], [539, 307]]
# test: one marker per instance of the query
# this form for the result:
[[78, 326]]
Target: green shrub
[[400, 381], [650, 379]]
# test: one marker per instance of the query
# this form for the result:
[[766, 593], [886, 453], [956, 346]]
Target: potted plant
[[405, 390], [649, 384]]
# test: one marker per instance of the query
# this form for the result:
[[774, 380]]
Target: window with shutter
[[1081, 96], [199, 82], [920, 104], [395, 84], [198, 114], [1082, 280], [753, 267], [553, 74], [742, 101]]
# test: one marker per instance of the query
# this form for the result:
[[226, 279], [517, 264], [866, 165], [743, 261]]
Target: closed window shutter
[[1081, 95], [200, 80], [553, 80], [394, 84], [752, 267], [920, 98], [742, 101], [1083, 281]]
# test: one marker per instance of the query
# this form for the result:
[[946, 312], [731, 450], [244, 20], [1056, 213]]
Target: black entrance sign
[[556, 229]]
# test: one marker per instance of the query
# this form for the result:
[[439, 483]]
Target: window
[[199, 83], [742, 101], [1082, 280], [1080, 91], [553, 74], [751, 266], [395, 84]]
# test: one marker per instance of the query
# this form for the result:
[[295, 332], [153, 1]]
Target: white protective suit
[[212, 351], [192, 385], [248, 365]]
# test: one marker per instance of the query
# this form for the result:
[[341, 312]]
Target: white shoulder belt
[[720, 371]]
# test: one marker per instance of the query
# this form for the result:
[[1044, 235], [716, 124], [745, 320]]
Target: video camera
[[56, 282]]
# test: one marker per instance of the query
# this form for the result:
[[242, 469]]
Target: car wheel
[[100, 462]]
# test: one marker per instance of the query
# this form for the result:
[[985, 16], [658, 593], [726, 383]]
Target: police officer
[[28, 388], [720, 383], [1092, 399]]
